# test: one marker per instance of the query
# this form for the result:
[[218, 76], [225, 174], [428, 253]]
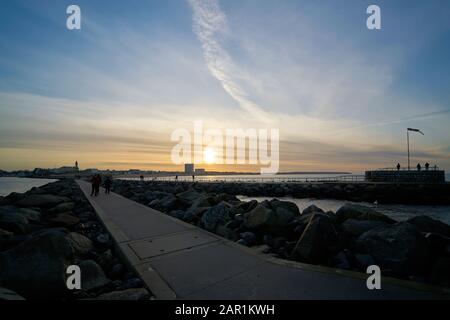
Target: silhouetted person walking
[[398, 166], [108, 183], [92, 180], [427, 166], [419, 167], [97, 183]]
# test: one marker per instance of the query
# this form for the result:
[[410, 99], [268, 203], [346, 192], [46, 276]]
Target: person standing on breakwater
[[427, 166], [98, 182], [108, 183], [419, 167], [398, 166], [92, 180]]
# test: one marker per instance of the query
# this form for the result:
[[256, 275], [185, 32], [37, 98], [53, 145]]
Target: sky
[[111, 94]]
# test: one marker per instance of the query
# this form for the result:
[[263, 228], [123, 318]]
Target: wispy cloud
[[210, 25]]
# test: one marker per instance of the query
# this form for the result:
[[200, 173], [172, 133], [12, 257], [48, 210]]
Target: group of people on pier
[[96, 181], [419, 167]]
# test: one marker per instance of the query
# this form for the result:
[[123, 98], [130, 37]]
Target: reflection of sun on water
[[209, 156]]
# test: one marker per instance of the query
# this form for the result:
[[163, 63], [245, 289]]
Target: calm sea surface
[[13, 184]]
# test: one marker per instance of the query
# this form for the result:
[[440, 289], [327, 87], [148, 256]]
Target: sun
[[209, 155]]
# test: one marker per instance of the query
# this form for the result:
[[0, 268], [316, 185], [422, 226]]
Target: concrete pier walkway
[[179, 261]]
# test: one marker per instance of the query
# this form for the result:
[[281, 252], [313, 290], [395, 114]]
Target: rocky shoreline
[[352, 238], [47, 229], [401, 193]]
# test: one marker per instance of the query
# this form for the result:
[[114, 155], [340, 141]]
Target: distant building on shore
[[200, 171], [189, 168]]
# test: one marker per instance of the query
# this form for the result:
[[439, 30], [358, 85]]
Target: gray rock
[[224, 231], [131, 283], [242, 242], [129, 294], [62, 207], [189, 196], [398, 249], [261, 218], [312, 209], [353, 211], [12, 221], [249, 238], [106, 260], [117, 270], [166, 204], [32, 216], [103, 239], [358, 227], [36, 268], [245, 206], [202, 201], [273, 217], [6, 294], [80, 244], [41, 200], [427, 224], [285, 206], [317, 241], [65, 220], [219, 214], [92, 276]]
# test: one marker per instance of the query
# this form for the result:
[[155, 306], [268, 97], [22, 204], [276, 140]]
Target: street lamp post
[[407, 139]]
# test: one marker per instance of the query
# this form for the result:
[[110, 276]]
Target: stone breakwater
[[45, 230], [352, 238], [406, 193]]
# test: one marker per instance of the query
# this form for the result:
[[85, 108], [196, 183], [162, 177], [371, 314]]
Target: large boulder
[[81, 245], [271, 217], [41, 200], [62, 207], [245, 206], [219, 214], [165, 204], [427, 224], [261, 218], [201, 202], [318, 240], [287, 206], [11, 220], [399, 250], [354, 211], [65, 220], [189, 196], [357, 227], [36, 268], [92, 276], [312, 209]]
